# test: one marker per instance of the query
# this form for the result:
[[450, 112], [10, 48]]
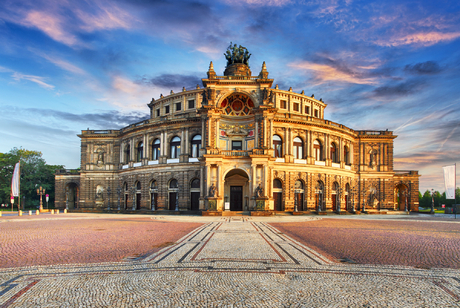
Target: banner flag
[[449, 181], [15, 181]]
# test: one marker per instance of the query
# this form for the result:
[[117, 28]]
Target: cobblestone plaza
[[233, 261]]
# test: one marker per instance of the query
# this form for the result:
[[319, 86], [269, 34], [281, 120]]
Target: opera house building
[[237, 143]]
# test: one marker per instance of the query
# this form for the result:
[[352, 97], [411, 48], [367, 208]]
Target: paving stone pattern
[[422, 244], [229, 263]]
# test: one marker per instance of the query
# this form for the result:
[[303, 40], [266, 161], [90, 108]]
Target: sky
[[66, 66]]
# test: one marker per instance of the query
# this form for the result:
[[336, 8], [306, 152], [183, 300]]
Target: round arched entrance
[[236, 190], [72, 191]]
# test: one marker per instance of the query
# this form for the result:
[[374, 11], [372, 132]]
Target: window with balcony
[[156, 149], [237, 145], [318, 150], [298, 148], [140, 151], [334, 153], [175, 147], [196, 145], [278, 146]]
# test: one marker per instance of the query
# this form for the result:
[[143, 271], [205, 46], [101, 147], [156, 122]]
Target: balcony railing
[[236, 153]]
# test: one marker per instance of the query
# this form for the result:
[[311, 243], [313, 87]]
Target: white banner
[[449, 181], [15, 181]]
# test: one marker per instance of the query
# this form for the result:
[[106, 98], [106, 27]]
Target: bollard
[[37, 212], [65, 211], [57, 212], [19, 213], [0, 213], [52, 212], [30, 213]]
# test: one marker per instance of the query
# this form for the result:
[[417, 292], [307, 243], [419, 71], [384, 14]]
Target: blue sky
[[69, 65]]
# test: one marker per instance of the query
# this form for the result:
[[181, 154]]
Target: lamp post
[[432, 201], [109, 192], [119, 196], [41, 192], [47, 199], [296, 191], [405, 200], [12, 203], [353, 192]]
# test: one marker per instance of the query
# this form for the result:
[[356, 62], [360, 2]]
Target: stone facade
[[237, 144]]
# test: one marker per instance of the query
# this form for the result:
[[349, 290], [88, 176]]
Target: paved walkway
[[229, 262]]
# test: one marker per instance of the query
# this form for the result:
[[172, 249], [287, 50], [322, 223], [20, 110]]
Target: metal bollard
[[19, 213], [65, 211], [57, 212], [30, 213], [37, 212]]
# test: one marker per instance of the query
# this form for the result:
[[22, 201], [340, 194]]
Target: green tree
[[34, 173]]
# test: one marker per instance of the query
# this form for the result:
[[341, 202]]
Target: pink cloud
[[325, 73], [52, 25], [421, 38]]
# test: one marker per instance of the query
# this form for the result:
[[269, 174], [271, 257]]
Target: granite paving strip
[[194, 272]]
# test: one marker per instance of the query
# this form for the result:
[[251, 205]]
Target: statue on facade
[[213, 191], [259, 192], [235, 54], [99, 196]]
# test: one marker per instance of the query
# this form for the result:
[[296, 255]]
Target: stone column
[[187, 143], [265, 133], [202, 195], [257, 134], [144, 150], [217, 133], [270, 137]]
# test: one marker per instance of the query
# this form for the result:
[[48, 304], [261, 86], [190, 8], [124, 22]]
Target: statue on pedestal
[[259, 192], [212, 191]]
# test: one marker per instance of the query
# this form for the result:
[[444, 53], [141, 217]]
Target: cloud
[[37, 79], [423, 68], [325, 72], [259, 2], [171, 81], [400, 89], [420, 38], [108, 119], [50, 24]]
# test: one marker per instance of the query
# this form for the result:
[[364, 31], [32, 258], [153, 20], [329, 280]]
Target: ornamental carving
[[237, 104]]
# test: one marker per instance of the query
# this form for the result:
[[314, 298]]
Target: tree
[[34, 173]]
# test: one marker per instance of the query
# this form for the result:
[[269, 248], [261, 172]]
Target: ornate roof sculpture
[[237, 61]]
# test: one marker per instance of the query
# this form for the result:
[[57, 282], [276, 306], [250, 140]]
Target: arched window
[[195, 195], [318, 150], [346, 155], [334, 154], [175, 147], [196, 145], [195, 183], [125, 200], [140, 151], [299, 195], [127, 153], [173, 184], [278, 146], [153, 195], [156, 149], [298, 148], [278, 195]]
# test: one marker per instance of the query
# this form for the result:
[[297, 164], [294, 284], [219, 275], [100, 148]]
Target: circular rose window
[[237, 104]]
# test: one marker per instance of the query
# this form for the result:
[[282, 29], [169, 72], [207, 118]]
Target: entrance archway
[[236, 189], [401, 193], [72, 191]]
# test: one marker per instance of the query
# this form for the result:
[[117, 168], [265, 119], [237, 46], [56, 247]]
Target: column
[[182, 141], [270, 136], [187, 143], [145, 154], [203, 133], [217, 133], [133, 150], [265, 132], [218, 181], [202, 181], [162, 143], [257, 135]]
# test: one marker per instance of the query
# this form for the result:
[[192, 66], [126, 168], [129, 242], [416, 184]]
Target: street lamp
[[133, 191], [353, 192], [177, 198], [320, 198], [432, 201], [47, 199], [41, 192]]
